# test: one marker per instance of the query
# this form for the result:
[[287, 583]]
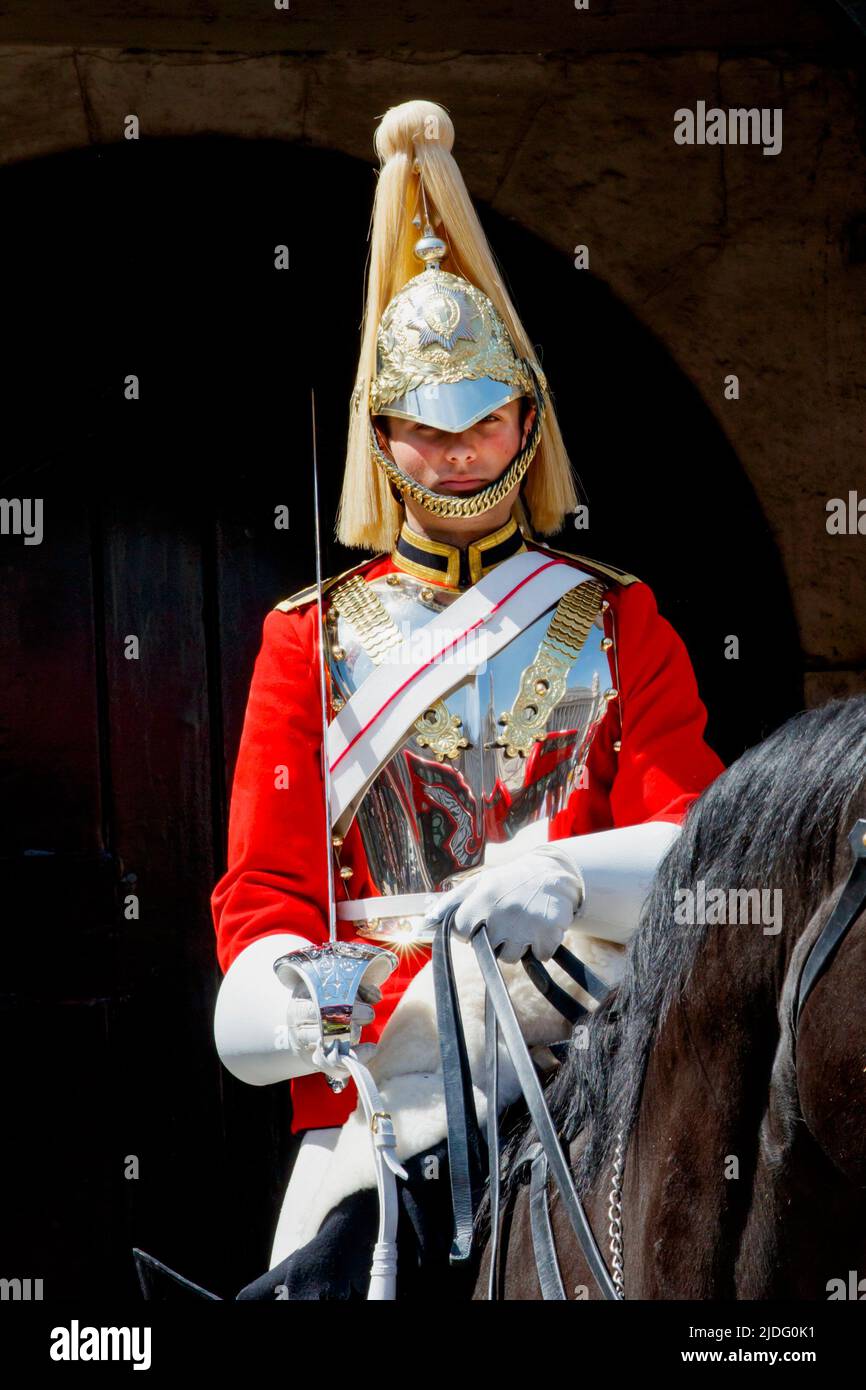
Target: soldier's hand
[[305, 1028], [528, 905]]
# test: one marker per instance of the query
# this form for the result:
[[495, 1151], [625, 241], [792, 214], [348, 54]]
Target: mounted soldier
[[531, 770]]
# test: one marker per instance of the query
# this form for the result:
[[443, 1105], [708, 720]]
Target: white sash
[[454, 643]]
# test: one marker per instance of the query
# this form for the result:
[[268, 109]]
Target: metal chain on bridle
[[614, 1212]]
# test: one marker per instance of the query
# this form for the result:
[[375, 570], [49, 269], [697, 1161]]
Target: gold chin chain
[[440, 504]]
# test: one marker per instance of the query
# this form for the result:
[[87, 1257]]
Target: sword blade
[[326, 777]]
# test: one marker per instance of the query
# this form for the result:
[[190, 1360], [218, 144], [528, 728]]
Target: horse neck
[[695, 1148], [806, 1233], [719, 1194]]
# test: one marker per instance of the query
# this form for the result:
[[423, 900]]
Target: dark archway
[[157, 259]]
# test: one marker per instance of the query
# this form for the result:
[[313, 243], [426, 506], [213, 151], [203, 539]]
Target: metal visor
[[453, 406]]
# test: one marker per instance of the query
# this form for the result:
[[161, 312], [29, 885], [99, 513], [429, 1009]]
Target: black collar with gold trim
[[449, 564]]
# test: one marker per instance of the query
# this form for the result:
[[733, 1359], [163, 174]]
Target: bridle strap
[[543, 1246], [491, 1067], [571, 1011], [850, 904], [591, 983], [542, 1232], [464, 1156], [465, 1164], [534, 1097]]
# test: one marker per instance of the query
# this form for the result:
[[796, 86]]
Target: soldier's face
[[463, 463]]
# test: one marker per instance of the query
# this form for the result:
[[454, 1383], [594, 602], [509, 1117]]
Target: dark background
[[157, 259]]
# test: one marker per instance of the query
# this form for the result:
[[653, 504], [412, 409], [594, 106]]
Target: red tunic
[[276, 880]]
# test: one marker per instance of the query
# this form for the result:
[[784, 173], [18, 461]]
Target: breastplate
[[502, 751]]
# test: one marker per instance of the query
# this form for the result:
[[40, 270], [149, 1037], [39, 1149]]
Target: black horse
[[743, 1136]]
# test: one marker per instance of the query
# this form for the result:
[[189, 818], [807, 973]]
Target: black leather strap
[[571, 1011], [465, 1162], [543, 1247], [848, 908], [464, 1143], [581, 974], [534, 1097], [491, 1068]]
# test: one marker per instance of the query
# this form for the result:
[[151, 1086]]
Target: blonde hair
[[420, 132]]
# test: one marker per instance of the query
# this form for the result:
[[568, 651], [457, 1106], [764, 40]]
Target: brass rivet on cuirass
[[339, 653], [392, 579], [426, 594]]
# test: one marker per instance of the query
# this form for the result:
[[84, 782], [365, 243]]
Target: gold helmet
[[443, 354], [443, 347], [444, 358]]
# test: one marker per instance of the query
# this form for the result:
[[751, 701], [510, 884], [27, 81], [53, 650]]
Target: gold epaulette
[[308, 595], [593, 566]]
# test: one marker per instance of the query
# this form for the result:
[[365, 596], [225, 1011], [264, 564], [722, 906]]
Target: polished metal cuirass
[[426, 819]]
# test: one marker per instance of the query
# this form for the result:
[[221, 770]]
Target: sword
[[334, 973], [332, 906]]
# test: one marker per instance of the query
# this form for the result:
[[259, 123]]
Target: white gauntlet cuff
[[253, 1035], [617, 869]]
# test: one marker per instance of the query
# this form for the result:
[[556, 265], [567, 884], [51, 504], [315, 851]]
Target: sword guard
[[332, 975]]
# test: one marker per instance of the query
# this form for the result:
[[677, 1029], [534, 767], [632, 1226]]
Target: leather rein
[[547, 1156], [465, 1161]]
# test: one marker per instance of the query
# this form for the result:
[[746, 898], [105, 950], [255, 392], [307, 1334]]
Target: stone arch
[[159, 255]]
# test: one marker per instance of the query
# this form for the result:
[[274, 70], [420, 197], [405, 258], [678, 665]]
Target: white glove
[[613, 871], [528, 905]]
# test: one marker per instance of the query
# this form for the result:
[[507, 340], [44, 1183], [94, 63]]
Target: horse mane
[[776, 818]]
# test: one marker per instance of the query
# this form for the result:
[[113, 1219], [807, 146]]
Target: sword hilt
[[332, 976]]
